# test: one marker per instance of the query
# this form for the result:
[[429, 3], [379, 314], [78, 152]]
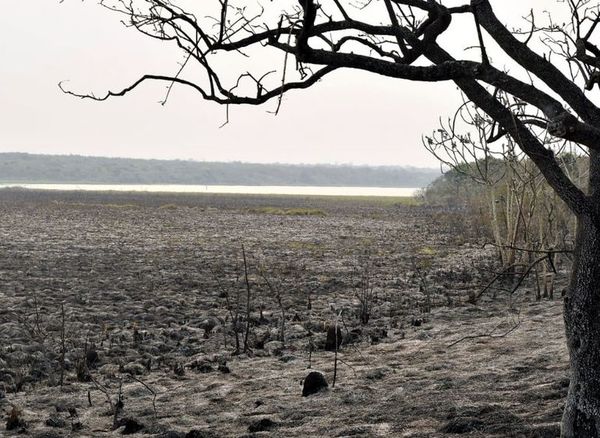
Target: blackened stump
[[313, 383]]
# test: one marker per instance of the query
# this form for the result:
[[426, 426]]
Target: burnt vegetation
[[534, 112], [155, 320]]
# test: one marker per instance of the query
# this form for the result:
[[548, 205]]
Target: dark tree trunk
[[581, 416]]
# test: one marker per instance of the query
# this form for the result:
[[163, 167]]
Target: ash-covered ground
[[135, 301]]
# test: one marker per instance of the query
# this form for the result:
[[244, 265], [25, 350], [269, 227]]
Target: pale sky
[[348, 117]]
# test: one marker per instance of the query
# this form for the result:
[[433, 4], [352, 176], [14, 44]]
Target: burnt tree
[[556, 67]]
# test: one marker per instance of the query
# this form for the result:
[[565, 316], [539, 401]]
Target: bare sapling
[[117, 405], [62, 344], [421, 275], [364, 291], [337, 343], [275, 290], [232, 306], [248, 299], [152, 391], [310, 338]]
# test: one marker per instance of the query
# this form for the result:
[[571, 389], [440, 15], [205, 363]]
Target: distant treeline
[[29, 168]]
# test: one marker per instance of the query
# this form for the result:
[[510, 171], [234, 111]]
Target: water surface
[[250, 190]]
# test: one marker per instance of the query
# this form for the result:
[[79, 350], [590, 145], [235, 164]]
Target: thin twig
[[490, 334], [248, 296], [154, 394], [62, 344]]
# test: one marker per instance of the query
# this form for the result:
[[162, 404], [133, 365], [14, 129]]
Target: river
[[253, 190]]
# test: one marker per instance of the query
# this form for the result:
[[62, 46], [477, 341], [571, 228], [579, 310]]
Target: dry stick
[[247, 300], [335, 359], [423, 285], [277, 293], [37, 316], [506, 271], [489, 285], [533, 265], [115, 408], [490, 334], [341, 315], [103, 390], [282, 310], [538, 293], [62, 342], [283, 75], [349, 366], [310, 338], [23, 321], [149, 389], [364, 293], [234, 316], [119, 404], [171, 85], [352, 345], [535, 251]]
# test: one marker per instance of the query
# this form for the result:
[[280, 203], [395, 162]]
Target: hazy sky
[[347, 118]]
